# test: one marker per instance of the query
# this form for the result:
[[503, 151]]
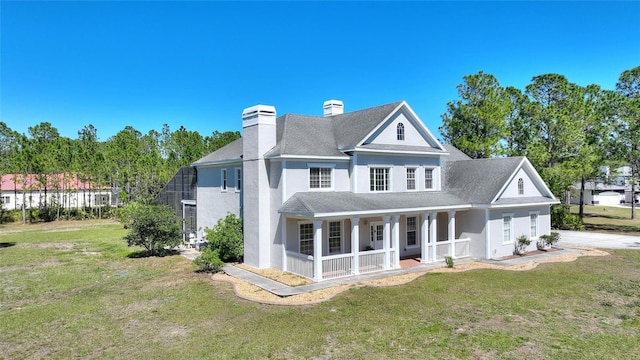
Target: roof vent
[[333, 107]]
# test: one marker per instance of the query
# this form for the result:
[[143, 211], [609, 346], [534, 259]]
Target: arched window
[[520, 186], [400, 131]]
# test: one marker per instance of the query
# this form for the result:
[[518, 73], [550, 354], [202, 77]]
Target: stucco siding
[[470, 224], [297, 176]]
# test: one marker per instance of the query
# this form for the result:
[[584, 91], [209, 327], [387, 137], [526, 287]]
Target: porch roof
[[321, 204]]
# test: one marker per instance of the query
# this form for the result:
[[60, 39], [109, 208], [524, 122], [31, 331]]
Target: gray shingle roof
[[465, 176], [314, 203], [454, 153], [525, 200], [402, 148], [227, 153], [313, 135]]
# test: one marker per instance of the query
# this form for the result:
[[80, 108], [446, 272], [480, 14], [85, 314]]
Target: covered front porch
[[332, 247]]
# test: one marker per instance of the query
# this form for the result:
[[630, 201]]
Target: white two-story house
[[350, 193]]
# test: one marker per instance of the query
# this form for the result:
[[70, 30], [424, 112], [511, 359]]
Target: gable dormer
[[402, 127]]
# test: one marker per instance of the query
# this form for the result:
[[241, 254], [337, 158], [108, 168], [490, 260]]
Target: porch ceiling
[[310, 204]]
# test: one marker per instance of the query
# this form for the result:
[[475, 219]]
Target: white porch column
[[317, 250], [396, 241], [385, 241], [424, 238], [355, 245], [433, 234], [452, 233]]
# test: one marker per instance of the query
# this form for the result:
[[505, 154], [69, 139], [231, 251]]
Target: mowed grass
[[610, 219], [68, 290]]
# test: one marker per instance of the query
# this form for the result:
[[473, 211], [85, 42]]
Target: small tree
[[153, 227], [227, 238]]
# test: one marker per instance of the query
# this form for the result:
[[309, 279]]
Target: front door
[[377, 236]]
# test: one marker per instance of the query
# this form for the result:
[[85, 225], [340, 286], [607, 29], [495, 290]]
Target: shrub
[[449, 261], [561, 218], [227, 238], [521, 244], [209, 261], [154, 227], [551, 239]]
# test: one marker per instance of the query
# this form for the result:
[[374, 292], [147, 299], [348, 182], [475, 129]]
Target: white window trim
[[238, 171], [321, 165], [537, 213], [415, 178], [518, 187], [341, 251], [224, 180], [512, 237], [389, 178], [435, 178], [400, 127], [406, 230], [299, 237]]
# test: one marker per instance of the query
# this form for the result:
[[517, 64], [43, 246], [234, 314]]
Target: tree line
[[135, 165], [567, 131]]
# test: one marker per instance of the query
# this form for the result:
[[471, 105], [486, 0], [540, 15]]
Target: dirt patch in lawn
[[251, 292]]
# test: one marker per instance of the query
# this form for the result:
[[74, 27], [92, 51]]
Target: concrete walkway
[[283, 290], [598, 240]]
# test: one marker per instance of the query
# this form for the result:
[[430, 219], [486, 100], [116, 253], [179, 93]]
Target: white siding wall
[[297, 176], [212, 202], [530, 188], [520, 226], [397, 172], [387, 134], [470, 224]]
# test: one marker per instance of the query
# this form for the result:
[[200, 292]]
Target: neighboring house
[[68, 191], [351, 193], [616, 191]]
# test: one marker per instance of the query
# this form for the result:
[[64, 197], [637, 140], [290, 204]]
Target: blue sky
[[198, 64]]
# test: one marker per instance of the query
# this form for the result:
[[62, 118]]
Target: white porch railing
[[300, 264], [462, 247], [392, 261], [443, 248], [335, 266], [372, 260]]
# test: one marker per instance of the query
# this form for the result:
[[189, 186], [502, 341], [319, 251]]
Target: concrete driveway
[[598, 240]]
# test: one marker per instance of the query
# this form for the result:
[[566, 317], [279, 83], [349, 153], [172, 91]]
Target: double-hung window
[[507, 228], [533, 225], [335, 237], [411, 179], [428, 179], [379, 179], [306, 238], [412, 238], [320, 178], [238, 179], [223, 180]]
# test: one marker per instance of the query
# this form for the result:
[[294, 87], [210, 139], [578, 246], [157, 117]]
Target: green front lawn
[[68, 290], [610, 219]]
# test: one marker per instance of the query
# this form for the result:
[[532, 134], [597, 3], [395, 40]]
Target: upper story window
[[400, 131], [520, 186], [320, 178], [238, 179], [379, 179], [223, 180], [411, 179], [428, 179]]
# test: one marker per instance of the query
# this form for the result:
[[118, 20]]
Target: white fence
[[462, 247]]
